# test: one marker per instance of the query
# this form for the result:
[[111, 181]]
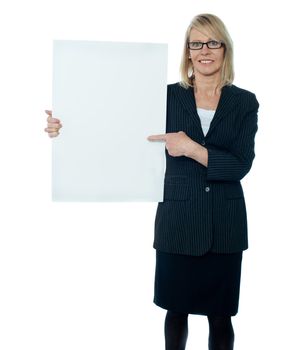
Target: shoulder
[[238, 90], [179, 91], [174, 86], [175, 91], [244, 95]]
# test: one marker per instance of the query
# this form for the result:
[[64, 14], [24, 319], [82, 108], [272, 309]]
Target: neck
[[207, 86]]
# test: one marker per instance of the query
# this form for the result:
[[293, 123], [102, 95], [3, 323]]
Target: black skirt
[[204, 285]]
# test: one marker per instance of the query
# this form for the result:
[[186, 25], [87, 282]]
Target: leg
[[176, 330], [221, 335]]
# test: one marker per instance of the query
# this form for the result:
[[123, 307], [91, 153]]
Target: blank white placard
[[109, 97]]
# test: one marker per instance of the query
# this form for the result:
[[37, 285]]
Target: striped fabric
[[203, 207]]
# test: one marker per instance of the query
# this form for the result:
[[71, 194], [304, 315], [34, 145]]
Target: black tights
[[221, 335]]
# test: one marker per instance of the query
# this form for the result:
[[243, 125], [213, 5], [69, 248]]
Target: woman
[[201, 226]]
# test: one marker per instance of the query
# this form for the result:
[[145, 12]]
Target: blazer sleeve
[[234, 163]]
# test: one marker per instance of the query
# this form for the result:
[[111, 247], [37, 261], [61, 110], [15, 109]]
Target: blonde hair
[[214, 25]]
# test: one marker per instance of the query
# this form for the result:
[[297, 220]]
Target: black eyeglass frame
[[207, 44]]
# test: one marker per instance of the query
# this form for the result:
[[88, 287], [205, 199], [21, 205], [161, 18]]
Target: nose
[[204, 48]]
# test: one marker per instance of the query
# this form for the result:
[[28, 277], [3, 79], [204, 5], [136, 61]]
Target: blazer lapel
[[223, 107], [187, 98]]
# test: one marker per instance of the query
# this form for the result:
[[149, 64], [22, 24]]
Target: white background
[[80, 275]]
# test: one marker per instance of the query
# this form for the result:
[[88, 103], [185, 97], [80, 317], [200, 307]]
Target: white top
[[206, 116]]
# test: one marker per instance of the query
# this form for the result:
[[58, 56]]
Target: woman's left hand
[[177, 143]]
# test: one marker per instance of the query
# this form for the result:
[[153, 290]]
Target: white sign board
[[109, 96]]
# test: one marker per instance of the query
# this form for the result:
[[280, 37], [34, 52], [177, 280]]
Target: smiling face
[[206, 62]]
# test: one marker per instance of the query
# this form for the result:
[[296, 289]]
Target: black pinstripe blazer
[[203, 207]]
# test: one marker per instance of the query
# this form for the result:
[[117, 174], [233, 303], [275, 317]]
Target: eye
[[214, 43], [196, 43]]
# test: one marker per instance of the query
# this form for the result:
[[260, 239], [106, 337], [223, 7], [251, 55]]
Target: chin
[[209, 73]]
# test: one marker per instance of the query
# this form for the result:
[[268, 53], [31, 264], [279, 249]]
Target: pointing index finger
[[160, 137]]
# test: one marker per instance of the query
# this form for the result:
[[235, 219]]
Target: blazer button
[[207, 189], [203, 143]]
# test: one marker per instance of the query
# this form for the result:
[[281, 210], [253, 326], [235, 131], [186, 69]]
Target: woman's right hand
[[53, 125]]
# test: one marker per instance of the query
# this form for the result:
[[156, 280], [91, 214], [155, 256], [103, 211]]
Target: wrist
[[192, 149], [197, 152]]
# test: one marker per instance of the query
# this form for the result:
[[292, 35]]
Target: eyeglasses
[[198, 45]]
